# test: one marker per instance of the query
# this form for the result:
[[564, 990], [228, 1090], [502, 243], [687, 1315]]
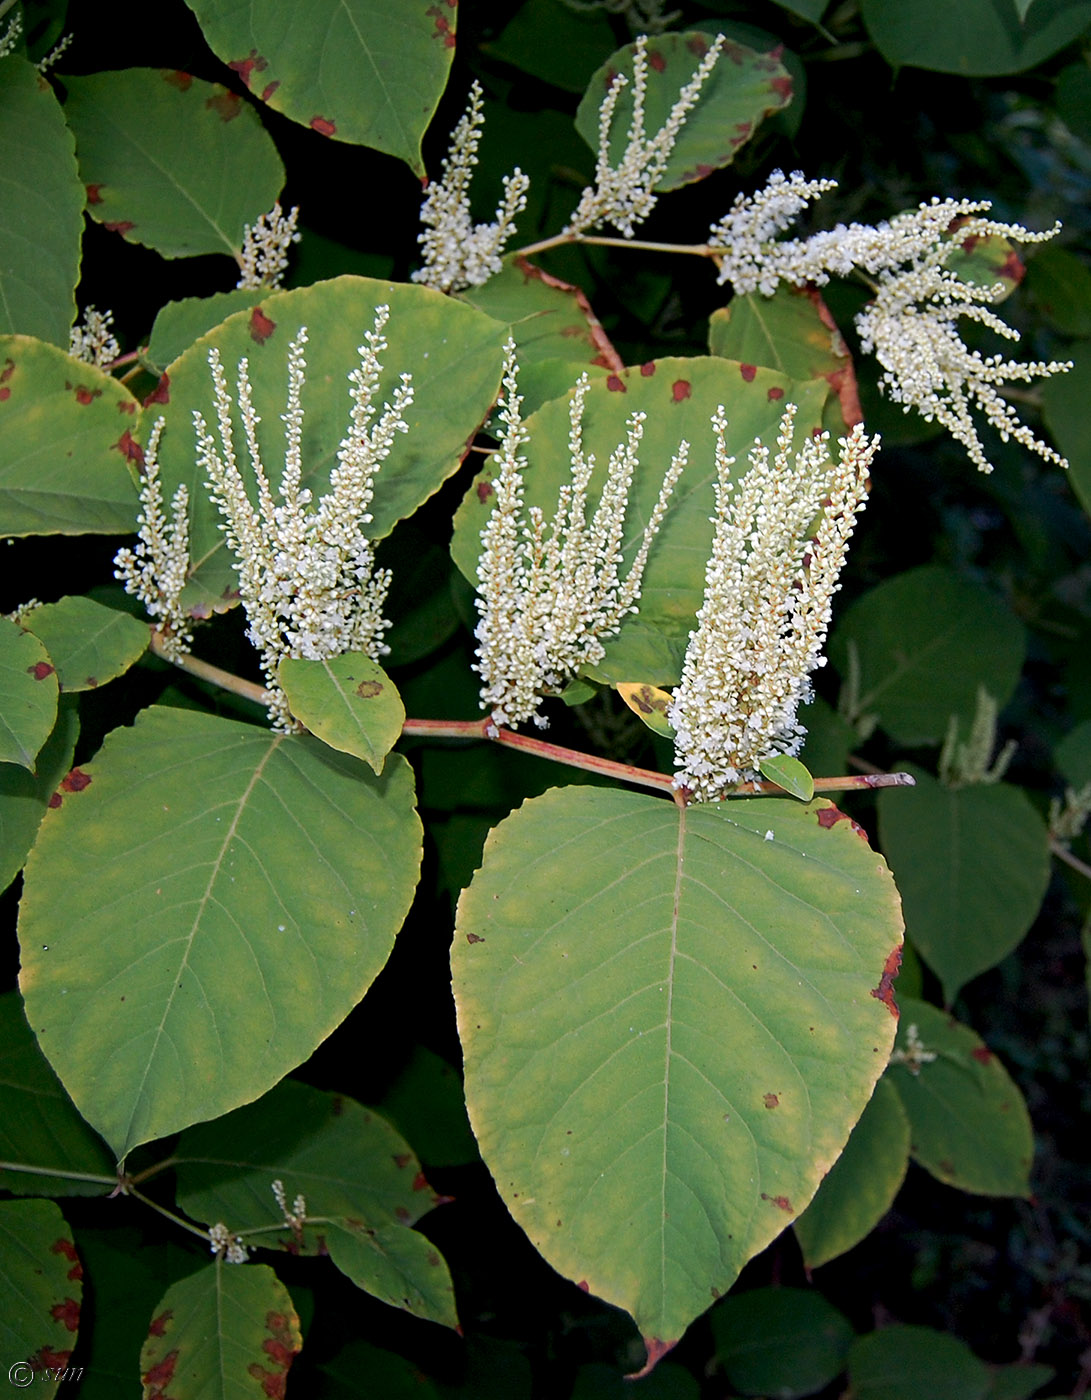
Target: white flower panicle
[[264, 257], [457, 252], [551, 592], [11, 33], [92, 339], [624, 195], [912, 324], [780, 542], [156, 570], [307, 577], [642, 16], [55, 54]]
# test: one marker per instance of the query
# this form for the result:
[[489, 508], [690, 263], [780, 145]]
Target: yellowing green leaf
[[88, 643], [789, 774], [649, 704], [28, 694], [347, 701]]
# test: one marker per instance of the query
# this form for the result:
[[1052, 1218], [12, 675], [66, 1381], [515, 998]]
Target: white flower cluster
[[222, 1242], [307, 578], [265, 243], [457, 252], [550, 593], [92, 339], [296, 1217], [971, 763], [156, 570], [766, 611], [10, 37], [912, 325], [624, 195], [914, 1056], [642, 16]]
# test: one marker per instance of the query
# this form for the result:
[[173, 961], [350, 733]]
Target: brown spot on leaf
[[615, 384], [656, 1351], [420, 1182], [583, 1286], [402, 1159], [261, 327], [94, 194], [681, 389], [5, 393], [7, 371], [126, 406], [269, 88], [647, 369], [75, 781], [402, 1214], [129, 448], [781, 1202], [67, 1312], [771, 1100], [55, 800], [85, 396], [161, 392], [773, 394], [158, 1325], [323, 126], [67, 1248], [656, 60], [121, 226], [160, 1376], [831, 815], [748, 372], [884, 992], [226, 105], [697, 45], [782, 87], [444, 29], [484, 491], [367, 690], [253, 63], [177, 79], [474, 938], [983, 1055], [40, 670], [1013, 268], [46, 1359]]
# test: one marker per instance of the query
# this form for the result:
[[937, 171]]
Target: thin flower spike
[[624, 195], [769, 586], [549, 594], [92, 340], [307, 578], [156, 570], [264, 257], [457, 252]]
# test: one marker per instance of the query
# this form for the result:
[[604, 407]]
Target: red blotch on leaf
[[85, 396], [182, 81], [245, 66], [484, 491], [129, 448], [75, 781], [67, 1312], [160, 1376], [781, 1202], [121, 226], [583, 1286], [616, 385], [268, 90], [657, 61], [884, 992], [65, 1247], [56, 800], [474, 938], [831, 815], [647, 369], [1013, 268], [126, 406], [983, 1055], [226, 105], [770, 1100], [46, 1359], [697, 45], [402, 1214], [40, 670], [681, 389], [420, 1182], [161, 392], [5, 394], [402, 1159], [443, 29], [94, 194], [158, 1325], [774, 394], [656, 1352], [7, 371], [261, 328], [748, 372], [323, 126], [782, 87]]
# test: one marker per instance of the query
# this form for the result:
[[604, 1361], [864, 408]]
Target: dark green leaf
[[1063, 404], [1061, 285], [789, 774], [911, 1363], [180, 323], [783, 1343], [425, 1103], [975, 38], [578, 42], [28, 695], [40, 1294], [88, 643], [24, 796]]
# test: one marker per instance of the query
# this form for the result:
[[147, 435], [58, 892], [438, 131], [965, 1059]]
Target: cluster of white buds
[[265, 243], [914, 1056], [1067, 819], [912, 325], [10, 36], [971, 763], [92, 339], [307, 578], [623, 195], [642, 16], [550, 593], [780, 542], [222, 1242], [457, 252], [55, 54], [156, 570], [297, 1216]]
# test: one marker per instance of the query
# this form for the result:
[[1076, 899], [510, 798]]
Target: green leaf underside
[[246, 859], [229, 1331], [973, 865], [348, 701], [180, 323], [397, 1265], [976, 38], [67, 431], [1064, 400], [788, 1342], [24, 796], [358, 70], [39, 1127], [453, 352], [88, 643], [41, 208], [40, 1290], [861, 1184], [789, 774], [743, 88], [645, 1123], [927, 640], [28, 695], [968, 1121], [905, 1363], [170, 161], [679, 396]]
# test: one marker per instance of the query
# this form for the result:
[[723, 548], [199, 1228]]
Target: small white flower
[[92, 340], [264, 257], [10, 36], [914, 1056], [222, 1242]]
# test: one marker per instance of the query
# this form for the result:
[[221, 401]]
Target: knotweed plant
[[780, 542], [551, 592], [264, 257]]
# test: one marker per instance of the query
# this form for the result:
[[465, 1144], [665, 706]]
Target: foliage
[[509, 1071]]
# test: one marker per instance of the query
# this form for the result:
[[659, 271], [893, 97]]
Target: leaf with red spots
[[968, 1122], [180, 323], [28, 695], [24, 798], [655, 1113], [361, 71], [88, 642], [349, 702], [397, 1265], [41, 212], [743, 89], [225, 1330], [61, 472], [39, 1297], [181, 167]]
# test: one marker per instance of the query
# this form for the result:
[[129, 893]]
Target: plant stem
[[169, 1214], [1062, 852], [205, 671], [128, 359], [700, 250], [63, 1173]]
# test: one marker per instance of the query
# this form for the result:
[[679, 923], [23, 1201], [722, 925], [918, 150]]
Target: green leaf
[[908, 1363], [180, 323], [578, 39], [348, 701], [360, 1367], [1073, 755], [862, 1183], [39, 1127], [972, 865], [88, 642], [40, 1294], [41, 208], [925, 642], [425, 1104], [454, 354], [671, 1020], [808, 9], [1018, 1382], [230, 1331], [782, 1342], [792, 332], [1072, 99], [1063, 400], [975, 38], [679, 397], [789, 774], [1060, 283], [358, 70], [24, 796], [171, 161], [397, 1265], [28, 695], [968, 1122], [742, 89], [209, 856], [66, 429]]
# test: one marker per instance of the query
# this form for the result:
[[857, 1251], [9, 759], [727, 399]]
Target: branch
[[205, 671], [558, 240], [1062, 852]]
